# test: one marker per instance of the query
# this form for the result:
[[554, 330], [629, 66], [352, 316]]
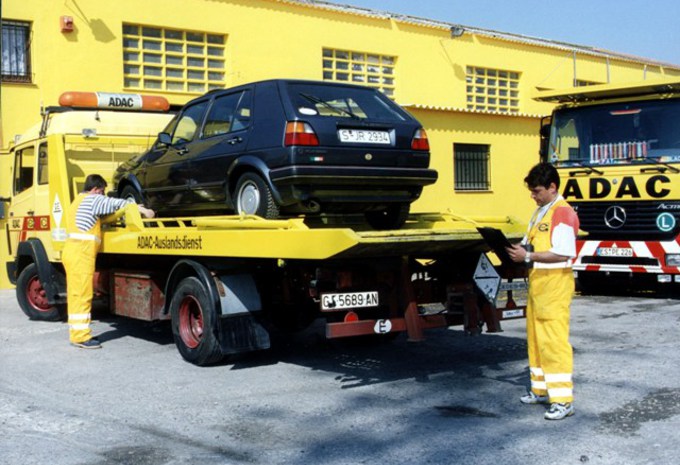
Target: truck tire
[[33, 299], [392, 217], [253, 197], [194, 323]]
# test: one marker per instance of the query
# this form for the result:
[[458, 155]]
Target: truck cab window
[[43, 175], [23, 169]]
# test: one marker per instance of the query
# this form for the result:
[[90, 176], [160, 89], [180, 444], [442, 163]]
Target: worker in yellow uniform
[[549, 248], [80, 252]]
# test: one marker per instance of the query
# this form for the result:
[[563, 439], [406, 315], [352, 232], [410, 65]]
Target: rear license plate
[[363, 136], [349, 300], [614, 252]]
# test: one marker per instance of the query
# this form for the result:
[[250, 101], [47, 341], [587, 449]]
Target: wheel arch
[[129, 180], [188, 268], [52, 278], [249, 164]]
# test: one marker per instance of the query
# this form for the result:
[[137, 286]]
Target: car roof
[[277, 81]]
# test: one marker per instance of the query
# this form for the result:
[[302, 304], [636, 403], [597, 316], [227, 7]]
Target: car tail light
[[420, 141], [299, 133]]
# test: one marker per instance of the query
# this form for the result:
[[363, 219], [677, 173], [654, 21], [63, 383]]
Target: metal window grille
[[172, 60], [471, 167], [16, 57], [494, 90], [367, 69]]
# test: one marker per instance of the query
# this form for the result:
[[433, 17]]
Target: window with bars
[[492, 89], [368, 69], [16, 48], [172, 59], [471, 167]]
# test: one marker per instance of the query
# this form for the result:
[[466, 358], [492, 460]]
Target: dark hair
[[94, 181], [542, 174]]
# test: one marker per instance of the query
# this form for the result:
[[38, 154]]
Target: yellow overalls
[[551, 287], [79, 256]]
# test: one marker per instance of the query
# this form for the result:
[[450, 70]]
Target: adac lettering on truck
[[659, 186], [127, 101]]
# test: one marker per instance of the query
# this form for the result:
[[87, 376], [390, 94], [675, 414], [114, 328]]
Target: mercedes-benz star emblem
[[615, 217]]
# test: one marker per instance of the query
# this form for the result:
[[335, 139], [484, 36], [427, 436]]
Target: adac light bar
[[111, 101]]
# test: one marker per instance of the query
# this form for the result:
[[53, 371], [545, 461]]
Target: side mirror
[[545, 141], [164, 138], [545, 130]]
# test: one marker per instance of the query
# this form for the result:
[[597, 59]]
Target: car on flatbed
[[285, 147]]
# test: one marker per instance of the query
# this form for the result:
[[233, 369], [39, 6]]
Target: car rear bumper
[[350, 184]]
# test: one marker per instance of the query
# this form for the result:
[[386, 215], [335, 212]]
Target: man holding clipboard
[[549, 247]]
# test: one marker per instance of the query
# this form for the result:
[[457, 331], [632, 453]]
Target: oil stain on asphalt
[[656, 406]]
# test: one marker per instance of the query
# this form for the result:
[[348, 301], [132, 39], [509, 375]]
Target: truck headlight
[[673, 259]]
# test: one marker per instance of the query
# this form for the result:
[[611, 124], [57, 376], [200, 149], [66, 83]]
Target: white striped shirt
[[95, 206]]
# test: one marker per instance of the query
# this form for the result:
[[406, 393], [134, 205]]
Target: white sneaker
[[532, 398], [559, 411]]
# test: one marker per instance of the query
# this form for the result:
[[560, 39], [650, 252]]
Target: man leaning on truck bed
[[80, 252]]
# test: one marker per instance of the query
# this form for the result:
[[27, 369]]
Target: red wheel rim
[[190, 322], [36, 296]]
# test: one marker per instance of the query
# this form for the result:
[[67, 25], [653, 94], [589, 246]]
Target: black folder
[[498, 242]]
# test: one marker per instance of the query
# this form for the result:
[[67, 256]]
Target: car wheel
[[33, 299], [253, 197], [392, 217], [194, 323], [130, 193]]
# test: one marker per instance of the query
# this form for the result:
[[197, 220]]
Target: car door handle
[[182, 151], [235, 140]]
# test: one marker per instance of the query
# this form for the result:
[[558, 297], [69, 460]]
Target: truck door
[[21, 213], [5, 197]]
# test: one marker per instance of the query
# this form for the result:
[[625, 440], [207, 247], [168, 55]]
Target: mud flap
[[239, 328], [242, 333]]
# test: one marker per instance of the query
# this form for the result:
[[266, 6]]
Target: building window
[[492, 89], [172, 60], [368, 69], [16, 48], [471, 167]]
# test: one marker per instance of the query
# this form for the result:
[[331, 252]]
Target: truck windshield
[[614, 134]]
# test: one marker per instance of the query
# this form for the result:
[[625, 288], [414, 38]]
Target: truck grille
[[640, 222]]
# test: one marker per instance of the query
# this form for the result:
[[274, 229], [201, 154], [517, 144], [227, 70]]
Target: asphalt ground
[[451, 399]]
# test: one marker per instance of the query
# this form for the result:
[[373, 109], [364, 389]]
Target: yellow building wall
[[513, 150], [279, 39], [269, 38]]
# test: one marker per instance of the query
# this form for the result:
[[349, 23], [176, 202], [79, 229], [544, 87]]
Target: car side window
[[229, 113], [188, 123]]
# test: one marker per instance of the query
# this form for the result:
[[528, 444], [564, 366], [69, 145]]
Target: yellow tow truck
[[225, 282]]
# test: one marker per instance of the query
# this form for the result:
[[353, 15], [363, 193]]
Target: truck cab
[[47, 167], [617, 148]]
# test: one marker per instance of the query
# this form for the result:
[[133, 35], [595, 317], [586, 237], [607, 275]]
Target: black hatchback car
[[283, 147]]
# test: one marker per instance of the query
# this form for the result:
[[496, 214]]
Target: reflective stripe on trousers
[[79, 258], [550, 354]]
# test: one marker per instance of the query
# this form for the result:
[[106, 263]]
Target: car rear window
[[343, 102]]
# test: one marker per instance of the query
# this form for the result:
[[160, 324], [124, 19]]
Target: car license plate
[[349, 300], [363, 136], [614, 252]]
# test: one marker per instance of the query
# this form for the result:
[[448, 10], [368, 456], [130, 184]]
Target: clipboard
[[498, 242]]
